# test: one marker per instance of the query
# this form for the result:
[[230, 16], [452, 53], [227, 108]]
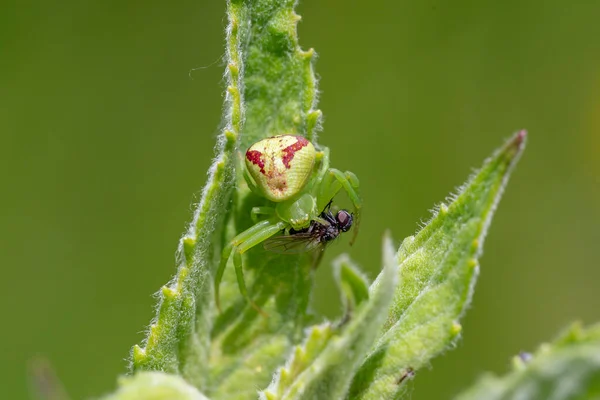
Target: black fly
[[319, 233]]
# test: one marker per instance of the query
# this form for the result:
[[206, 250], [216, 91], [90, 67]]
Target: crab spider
[[298, 182]]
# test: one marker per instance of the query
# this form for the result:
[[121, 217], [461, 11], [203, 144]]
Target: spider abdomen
[[281, 165]]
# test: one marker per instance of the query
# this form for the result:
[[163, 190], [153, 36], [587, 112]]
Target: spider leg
[[239, 245], [333, 182], [227, 253], [249, 181], [323, 160], [349, 182], [327, 207], [256, 211]]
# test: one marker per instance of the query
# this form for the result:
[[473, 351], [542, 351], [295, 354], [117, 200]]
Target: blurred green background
[[109, 112]]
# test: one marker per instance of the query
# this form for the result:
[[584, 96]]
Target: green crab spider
[[298, 182]]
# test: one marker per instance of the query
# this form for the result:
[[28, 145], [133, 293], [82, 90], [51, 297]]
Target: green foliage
[[155, 386], [178, 338], [280, 92], [271, 89], [437, 268], [390, 329], [568, 368], [323, 367]]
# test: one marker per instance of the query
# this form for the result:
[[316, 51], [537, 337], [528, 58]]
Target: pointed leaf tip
[[520, 137], [515, 145], [437, 272], [352, 283]]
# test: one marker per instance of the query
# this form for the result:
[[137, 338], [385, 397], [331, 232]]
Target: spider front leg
[[264, 210], [333, 181], [239, 245]]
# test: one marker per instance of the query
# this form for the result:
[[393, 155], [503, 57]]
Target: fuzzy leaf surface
[[438, 269], [178, 338], [567, 369], [271, 89], [155, 385], [322, 368]]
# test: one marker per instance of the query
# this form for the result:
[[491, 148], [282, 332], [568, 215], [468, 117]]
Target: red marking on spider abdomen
[[255, 157], [290, 151]]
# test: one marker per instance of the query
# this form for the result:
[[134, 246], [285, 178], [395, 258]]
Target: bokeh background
[[109, 112]]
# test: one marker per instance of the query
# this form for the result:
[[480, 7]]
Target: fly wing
[[296, 243]]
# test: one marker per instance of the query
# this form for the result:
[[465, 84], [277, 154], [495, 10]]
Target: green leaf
[[154, 386], [279, 96], [323, 367], [271, 89], [179, 337], [353, 284], [569, 368], [280, 93], [236, 375], [438, 268], [180, 330]]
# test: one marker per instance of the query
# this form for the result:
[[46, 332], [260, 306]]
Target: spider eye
[[344, 220]]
